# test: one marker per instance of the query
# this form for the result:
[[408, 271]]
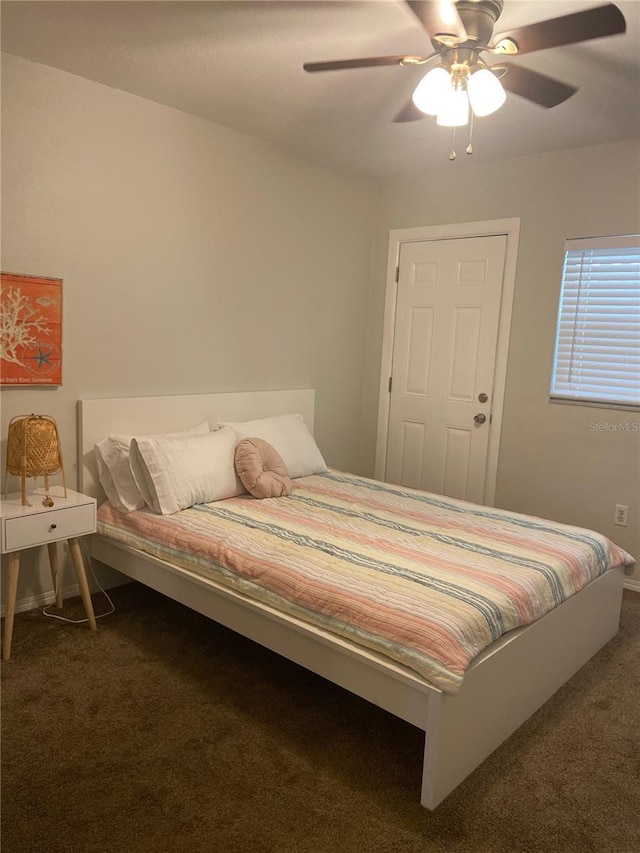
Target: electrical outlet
[[620, 516]]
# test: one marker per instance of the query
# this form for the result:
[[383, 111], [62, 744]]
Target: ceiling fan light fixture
[[486, 93], [432, 90], [454, 111]]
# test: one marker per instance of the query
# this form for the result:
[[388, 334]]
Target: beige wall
[[554, 460], [194, 259]]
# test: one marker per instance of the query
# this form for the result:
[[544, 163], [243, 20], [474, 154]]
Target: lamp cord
[[88, 561]]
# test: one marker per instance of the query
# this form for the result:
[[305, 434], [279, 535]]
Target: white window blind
[[597, 353]]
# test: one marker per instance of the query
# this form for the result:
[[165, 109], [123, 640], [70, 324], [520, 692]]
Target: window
[[597, 353]]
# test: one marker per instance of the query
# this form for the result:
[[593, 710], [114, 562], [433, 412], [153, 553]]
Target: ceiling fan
[[463, 84]]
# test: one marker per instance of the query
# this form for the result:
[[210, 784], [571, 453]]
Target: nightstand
[[28, 526]]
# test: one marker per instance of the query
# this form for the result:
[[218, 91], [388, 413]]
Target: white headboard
[[145, 415]]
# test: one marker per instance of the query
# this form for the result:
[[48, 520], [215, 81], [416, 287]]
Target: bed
[[464, 720]]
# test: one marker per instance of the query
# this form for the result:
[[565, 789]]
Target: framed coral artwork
[[31, 315]]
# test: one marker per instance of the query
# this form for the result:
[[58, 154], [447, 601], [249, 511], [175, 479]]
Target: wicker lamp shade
[[33, 450]]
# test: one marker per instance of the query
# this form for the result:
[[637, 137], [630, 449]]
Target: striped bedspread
[[425, 580]]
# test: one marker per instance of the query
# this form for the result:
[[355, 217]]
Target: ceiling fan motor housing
[[479, 18]]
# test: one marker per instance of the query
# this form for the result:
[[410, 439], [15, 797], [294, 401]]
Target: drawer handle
[[52, 526]]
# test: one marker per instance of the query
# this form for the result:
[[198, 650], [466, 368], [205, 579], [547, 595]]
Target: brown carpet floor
[[166, 732]]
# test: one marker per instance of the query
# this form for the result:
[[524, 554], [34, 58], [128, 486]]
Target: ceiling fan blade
[[536, 87], [439, 17], [595, 23], [367, 62], [409, 113]]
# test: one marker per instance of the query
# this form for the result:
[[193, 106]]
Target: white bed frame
[[503, 686]]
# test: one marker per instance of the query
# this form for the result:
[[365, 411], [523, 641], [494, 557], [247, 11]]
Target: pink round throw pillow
[[261, 469]]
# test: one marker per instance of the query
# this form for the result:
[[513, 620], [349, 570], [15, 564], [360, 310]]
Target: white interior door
[[444, 356]]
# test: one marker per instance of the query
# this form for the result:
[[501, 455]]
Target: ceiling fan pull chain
[[469, 148], [452, 153]]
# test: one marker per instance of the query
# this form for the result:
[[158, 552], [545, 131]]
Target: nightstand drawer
[[42, 527]]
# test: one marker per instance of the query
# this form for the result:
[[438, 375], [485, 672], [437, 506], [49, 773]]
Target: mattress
[[427, 581]]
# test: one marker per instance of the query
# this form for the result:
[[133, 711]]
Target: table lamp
[[33, 449]]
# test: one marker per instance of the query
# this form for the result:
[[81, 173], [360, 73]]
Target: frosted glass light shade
[[454, 111], [485, 92], [431, 91]]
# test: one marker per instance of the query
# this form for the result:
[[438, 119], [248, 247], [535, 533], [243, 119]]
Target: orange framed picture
[[31, 316]]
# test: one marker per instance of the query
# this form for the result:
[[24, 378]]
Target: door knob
[[482, 398], [480, 418]]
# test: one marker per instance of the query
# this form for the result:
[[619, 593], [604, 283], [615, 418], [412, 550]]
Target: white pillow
[[114, 473], [175, 473], [291, 438]]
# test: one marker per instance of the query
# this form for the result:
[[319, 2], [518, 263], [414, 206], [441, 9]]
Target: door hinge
[[390, 383], [397, 274]]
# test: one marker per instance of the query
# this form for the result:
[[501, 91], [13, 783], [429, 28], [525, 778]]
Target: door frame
[[507, 227]]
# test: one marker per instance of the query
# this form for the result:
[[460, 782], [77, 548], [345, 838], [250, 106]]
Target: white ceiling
[[240, 64]]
